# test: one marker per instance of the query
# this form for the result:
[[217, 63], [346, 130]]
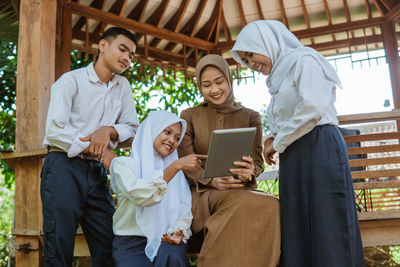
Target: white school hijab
[[271, 38], [155, 220]]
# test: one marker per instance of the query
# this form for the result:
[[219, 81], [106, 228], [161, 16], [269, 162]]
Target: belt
[[84, 156]]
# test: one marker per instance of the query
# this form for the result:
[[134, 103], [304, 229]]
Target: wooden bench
[[376, 173], [378, 180]]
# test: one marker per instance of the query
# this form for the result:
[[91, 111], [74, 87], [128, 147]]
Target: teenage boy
[[91, 109]]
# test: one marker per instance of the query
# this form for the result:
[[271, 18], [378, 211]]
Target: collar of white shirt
[[95, 79]]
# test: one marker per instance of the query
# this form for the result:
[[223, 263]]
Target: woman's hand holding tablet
[[229, 149]]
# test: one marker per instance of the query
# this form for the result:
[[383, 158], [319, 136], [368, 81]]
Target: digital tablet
[[226, 147]]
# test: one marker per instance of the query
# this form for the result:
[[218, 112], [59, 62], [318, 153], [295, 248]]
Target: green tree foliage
[[6, 218], [8, 68], [168, 89]]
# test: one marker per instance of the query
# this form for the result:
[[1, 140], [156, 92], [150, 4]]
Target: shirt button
[[220, 118]]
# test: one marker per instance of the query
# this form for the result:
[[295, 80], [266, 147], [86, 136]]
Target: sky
[[366, 85]]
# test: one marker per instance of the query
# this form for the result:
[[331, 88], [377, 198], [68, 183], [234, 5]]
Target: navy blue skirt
[[128, 251], [318, 212]]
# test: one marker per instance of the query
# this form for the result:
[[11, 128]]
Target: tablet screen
[[226, 147]]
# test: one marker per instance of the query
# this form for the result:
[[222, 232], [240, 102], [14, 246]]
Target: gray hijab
[[220, 63]]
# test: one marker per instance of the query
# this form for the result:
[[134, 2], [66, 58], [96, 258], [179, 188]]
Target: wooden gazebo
[[173, 34]]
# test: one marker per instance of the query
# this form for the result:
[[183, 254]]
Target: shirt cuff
[[278, 146], [113, 144], [77, 146], [187, 233], [159, 182], [123, 132]]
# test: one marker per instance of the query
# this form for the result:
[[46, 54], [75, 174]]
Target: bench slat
[[376, 185], [371, 137], [379, 215], [373, 161], [373, 149], [375, 174], [369, 117]]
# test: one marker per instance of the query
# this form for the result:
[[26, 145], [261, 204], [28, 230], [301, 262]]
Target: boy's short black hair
[[113, 32]]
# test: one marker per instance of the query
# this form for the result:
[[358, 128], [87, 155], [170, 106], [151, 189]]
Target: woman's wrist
[[176, 165], [212, 183], [171, 171]]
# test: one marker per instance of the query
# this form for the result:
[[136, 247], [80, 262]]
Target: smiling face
[[167, 141], [117, 53], [256, 62], [214, 85]]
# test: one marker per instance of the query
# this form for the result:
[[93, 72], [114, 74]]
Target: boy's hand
[[175, 238], [269, 151], [107, 157], [99, 141], [245, 169]]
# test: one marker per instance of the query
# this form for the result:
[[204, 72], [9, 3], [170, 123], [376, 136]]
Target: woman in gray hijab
[[241, 226]]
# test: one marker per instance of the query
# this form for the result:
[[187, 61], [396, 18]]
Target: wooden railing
[[81, 248], [377, 184], [376, 175]]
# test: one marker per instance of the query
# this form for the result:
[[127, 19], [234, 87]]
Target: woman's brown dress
[[241, 226]]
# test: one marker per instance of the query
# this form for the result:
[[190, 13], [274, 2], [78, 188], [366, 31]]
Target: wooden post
[[36, 64], [390, 45], [64, 38]]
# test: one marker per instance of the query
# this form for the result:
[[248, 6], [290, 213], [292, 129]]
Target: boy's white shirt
[[80, 103]]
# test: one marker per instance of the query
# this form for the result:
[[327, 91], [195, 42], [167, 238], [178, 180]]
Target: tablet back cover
[[227, 146]]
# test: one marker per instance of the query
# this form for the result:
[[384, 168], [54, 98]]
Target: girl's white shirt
[[303, 102], [133, 192], [155, 207]]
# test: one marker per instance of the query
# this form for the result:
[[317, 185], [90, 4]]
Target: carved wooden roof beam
[[174, 22], [241, 12], [138, 26]]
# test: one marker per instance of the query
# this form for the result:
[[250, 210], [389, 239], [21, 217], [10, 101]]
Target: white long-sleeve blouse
[[133, 192], [304, 100]]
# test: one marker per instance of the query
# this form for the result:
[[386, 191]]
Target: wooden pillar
[[390, 45], [36, 63], [64, 38]]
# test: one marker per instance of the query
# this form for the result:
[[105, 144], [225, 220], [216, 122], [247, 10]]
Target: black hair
[[111, 33]]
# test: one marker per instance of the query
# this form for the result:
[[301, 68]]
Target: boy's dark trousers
[[75, 191]]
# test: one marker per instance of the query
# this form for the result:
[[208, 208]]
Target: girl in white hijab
[[153, 218], [318, 215]]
